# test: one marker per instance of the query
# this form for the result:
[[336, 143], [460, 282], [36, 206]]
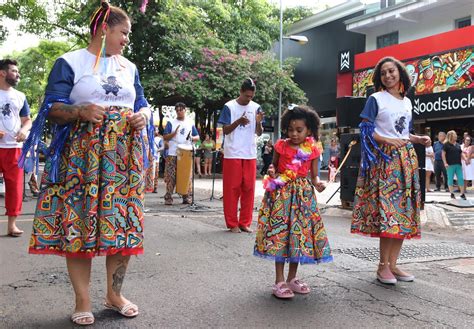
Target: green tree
[[207, 86], [171, 38], [35, 64]]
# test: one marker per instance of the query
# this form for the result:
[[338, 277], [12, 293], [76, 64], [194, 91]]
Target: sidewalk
[[196, 274], [439, 212]]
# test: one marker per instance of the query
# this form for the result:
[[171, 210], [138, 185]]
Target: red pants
[[238, 178], [13, 178]]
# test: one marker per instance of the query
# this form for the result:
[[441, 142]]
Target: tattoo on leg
[[118, 277]]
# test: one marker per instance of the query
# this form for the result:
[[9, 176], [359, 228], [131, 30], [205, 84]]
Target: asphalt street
[[196, 274]]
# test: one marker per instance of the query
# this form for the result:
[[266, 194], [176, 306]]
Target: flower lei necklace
[[291, 172]]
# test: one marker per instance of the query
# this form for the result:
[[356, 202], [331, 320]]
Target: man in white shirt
[[15, 122], [241, 119], [177, 131], [159, 147]]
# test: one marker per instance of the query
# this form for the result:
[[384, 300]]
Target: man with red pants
[[15, 122], [241, 119]]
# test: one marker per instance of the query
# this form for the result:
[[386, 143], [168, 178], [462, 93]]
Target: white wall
[[430, 22]]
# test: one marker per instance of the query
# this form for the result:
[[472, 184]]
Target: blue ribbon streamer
[[368, 143], [59, 133], [150, 131]]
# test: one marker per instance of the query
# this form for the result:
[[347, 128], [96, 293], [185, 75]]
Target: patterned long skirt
[[387, 200], [96, 207], [290, 228]]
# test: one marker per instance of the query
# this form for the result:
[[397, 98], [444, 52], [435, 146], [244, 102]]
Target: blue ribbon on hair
[[59, 133], [368, 143]]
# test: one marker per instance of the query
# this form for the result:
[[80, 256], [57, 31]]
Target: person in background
[[208, 146], [241, 119], [439, 168], [159, 147], [198, 157], [468, 162], [452, 159], [334, 151], [15, 123], [464, 135], [267, 156], [178, 131], [429, 165], [319, 145]]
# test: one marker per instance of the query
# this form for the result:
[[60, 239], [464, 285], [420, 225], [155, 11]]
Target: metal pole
[[281, 67]]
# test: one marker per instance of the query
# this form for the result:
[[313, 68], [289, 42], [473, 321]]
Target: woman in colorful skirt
[[91, 198], [387, 198], [290, 228]]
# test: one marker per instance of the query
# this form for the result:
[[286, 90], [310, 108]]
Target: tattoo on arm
[[118, 277], [61, 113]]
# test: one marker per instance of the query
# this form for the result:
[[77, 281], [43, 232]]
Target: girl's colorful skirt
[[289, 226], [96, 207], [387, 199]]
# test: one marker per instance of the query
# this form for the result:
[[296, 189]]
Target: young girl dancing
[[289, 226]]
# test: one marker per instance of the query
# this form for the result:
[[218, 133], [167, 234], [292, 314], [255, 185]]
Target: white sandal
[[76, 317], [124, 309]]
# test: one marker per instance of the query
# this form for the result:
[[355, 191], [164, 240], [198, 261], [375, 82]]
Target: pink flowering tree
[[217, 77]]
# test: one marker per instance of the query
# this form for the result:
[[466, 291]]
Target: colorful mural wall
[[453, 70]]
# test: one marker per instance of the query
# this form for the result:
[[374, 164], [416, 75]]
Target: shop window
[[387, 3], [462, 22], [387, 40]]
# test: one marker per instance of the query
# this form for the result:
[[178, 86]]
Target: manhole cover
[[461, 218], [418, 252]]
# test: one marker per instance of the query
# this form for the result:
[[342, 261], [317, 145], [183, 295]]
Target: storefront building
[[441, 65]]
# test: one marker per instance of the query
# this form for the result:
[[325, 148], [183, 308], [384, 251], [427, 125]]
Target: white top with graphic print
[[392, 116], [111, 85], [13, 106]]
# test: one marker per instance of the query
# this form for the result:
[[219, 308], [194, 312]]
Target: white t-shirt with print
[[240, 143], [184, 131], [11, 104], [393, 117], [111, 85]]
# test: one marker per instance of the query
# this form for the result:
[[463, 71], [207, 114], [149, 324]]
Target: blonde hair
[[451, 137]]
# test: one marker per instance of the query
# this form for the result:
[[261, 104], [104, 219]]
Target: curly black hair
[[404, 77], [301, 112]]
